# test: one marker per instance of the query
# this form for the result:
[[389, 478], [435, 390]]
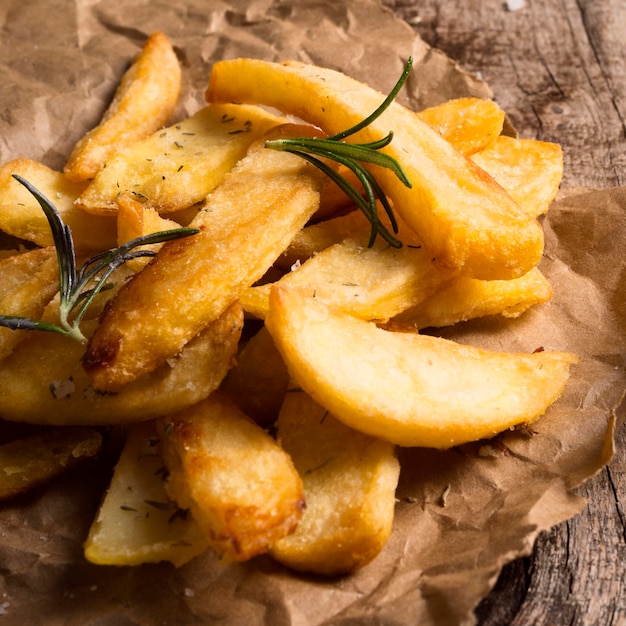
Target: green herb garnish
[[78, 287], [352, 155]]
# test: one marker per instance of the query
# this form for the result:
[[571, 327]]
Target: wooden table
[[559, 70]]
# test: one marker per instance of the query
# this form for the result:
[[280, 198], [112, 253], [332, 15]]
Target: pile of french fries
[[265, 370]]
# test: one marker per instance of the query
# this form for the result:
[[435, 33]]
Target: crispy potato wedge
[[22, 217], [144, 100], [135, 220], [410, 389], [136, 521], [467, 221], [464, 298], [530, 170], [177, 167], [258, 381], [374, 283], [350, 484], [42, 381], [29, 281], [191, 282], [469, 124], [35, 460], [239, 485]]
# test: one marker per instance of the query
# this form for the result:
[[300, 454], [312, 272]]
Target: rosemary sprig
[[352, 155], [79, 287]]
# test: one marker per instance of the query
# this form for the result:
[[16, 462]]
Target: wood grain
[[558, 67]]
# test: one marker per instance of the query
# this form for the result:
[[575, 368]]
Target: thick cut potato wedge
[[177, 167], [410, 389], [135, 220], [374, 283], [463, 299], [350, 484], [192, 280], [466, 220], [143, 102], [239, 485], [29, 281], [258, 381], [530, 170], [42, 381], [469, 124], [35, 460], [137, 522], [22, 217]]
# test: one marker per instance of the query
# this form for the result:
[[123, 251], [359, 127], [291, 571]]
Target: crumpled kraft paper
[[461, 514]]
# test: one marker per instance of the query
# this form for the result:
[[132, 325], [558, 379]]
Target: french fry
[[467, 221], [134, 220], [528, 169], [29, 281], [136, 521], [43, 382], [191, 281], [258, 381], [35, 460], [143, 102], [464, 298], [409, 389], [374, 283], [469, 124], [349, 482], [239, 485], [22, 217], [177, 167]]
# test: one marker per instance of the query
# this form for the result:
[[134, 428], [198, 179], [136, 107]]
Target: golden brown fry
[[239, 485], [177, 167], [144, 100], [22, 216], [464, 298], [409, 389], [35, 460], [29, 281], [137, 522], [258, 381], [469, 124], [350, 484], [374, 283], [467, 221], [192, 280], [134, 220], [42, 381], [529, 170]]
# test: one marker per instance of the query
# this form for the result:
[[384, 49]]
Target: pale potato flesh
[[192, 280], [177, 167], [374, 283], [143, 102], [410, 389], [239, 485], [466, 220], [137, 522], [350, 483]]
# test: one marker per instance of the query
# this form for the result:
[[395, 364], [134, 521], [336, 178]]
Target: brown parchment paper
[[461, 514]]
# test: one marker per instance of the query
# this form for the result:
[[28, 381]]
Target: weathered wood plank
[[559, 69]]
